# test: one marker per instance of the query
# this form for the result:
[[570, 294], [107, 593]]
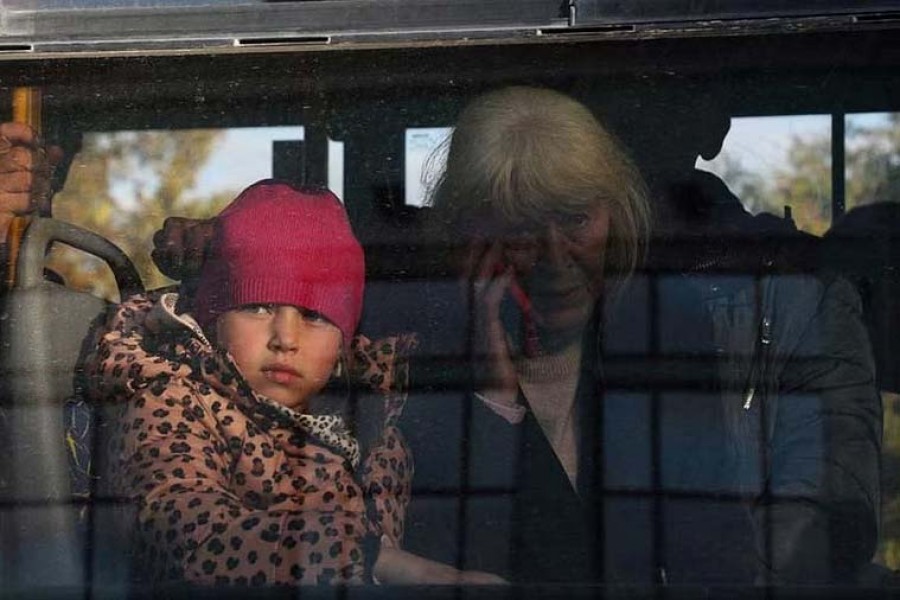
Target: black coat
[[523, 519]]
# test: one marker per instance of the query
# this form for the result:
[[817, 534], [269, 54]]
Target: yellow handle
[[26, 108]]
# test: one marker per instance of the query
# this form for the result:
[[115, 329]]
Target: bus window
[[872, 151], [779, 164], [424, 161], [124, 184], [635, 366]]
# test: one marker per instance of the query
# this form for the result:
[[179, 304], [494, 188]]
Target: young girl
[[232, 429]]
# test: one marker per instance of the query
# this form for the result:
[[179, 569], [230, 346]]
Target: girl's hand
[[487, 280], [398, 567]]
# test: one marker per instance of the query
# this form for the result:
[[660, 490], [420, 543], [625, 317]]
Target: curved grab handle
[[44, 231]]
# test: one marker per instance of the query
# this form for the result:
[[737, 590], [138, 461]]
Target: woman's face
[[284, 352], [559, 265]]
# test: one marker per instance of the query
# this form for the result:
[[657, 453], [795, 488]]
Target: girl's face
[[284, 352]]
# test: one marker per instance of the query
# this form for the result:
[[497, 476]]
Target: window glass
[[124, 184], [889, 551], [425, 158], [872, 173], [572, 423], [777, 163], [872, 149], [336, 167]]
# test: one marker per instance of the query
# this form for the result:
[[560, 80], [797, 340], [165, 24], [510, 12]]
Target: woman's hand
[[398, 567], [26, 170], [487, 280]]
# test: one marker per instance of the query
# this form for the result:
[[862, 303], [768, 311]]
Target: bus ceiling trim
[[15, 48], [23, 47], [269, 20], [302, 40], [878, 18], [96, 48]]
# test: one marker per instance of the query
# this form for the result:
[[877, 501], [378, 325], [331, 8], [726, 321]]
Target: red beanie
[[275, 244]]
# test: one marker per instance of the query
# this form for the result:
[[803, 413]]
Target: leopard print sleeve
[[387, 476], [387, 470]]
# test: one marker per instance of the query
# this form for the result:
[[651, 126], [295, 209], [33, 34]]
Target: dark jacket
[[729, 432]]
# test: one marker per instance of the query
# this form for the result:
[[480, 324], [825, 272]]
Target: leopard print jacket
[[229, 488]]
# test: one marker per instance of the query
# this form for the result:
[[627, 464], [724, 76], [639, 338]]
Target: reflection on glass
[[775, 162], [422, 162], [336, 168]]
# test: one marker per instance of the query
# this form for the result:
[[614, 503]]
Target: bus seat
[[49, 534]]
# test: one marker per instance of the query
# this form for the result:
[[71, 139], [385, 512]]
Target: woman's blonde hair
[[525, 154]]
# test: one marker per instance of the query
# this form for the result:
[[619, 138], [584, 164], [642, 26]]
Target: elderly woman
[[625, 429]]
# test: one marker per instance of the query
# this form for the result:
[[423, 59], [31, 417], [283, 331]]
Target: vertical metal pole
[[656, 398], [287, 161], [315, 155], [838, 166], [26, 107]]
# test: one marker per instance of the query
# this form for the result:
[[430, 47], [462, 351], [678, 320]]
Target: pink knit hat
[[275, 244]]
